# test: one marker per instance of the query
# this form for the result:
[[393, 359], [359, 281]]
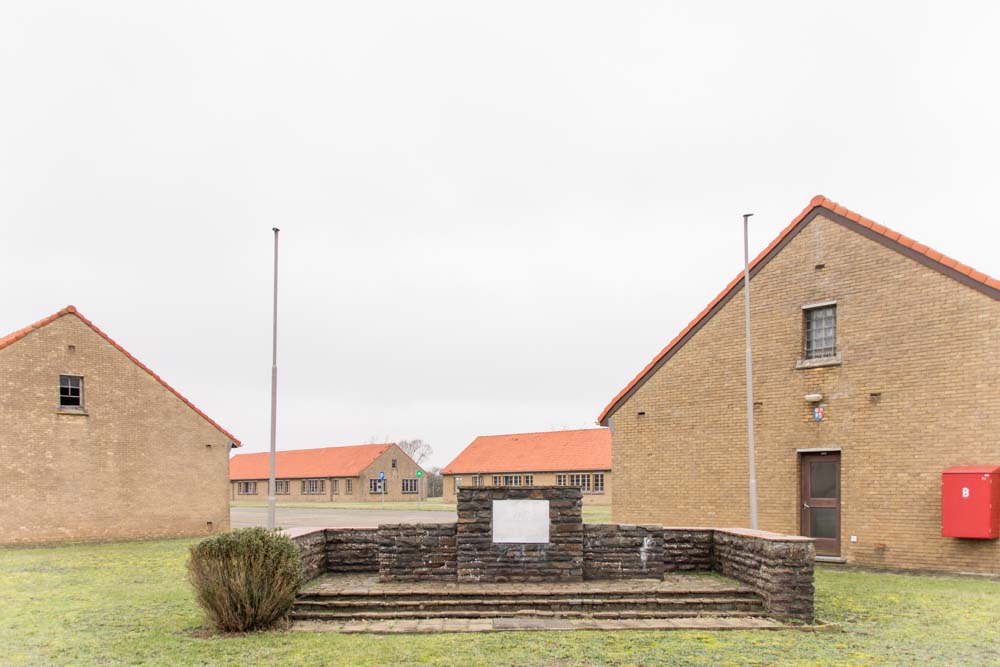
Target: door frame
[[825, 546]]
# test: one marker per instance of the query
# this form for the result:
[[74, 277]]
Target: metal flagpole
[[271, 499], [746, 302]]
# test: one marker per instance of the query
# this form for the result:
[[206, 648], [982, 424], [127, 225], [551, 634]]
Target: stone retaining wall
[[417, 552], [778, 567], [352, 550], [612, 551], [312, 547], [480, 559], [687, 549]]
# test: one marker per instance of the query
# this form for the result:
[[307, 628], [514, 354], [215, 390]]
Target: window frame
[[313, 487], [243, 488], [376, 486], [349, 487], [280, 484], [598, 481], [414, 484], [811, 352], [68, 407]]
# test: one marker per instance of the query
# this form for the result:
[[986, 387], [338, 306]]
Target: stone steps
[[488, 606], [563, 602], [563, 593], [523, 613]]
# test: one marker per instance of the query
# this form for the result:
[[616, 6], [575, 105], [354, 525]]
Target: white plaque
[[521, 521]]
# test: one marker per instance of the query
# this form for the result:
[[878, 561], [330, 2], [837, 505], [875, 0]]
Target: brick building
[[329, 474], [81, 423], [873, 373], [564, 458]]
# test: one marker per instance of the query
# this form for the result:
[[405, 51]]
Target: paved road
[[322, 517]]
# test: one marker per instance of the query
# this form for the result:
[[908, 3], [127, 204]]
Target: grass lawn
[[129, 603], [591, 513]]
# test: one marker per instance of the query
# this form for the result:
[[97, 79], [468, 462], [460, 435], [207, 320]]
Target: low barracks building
[[329, 474], [874, 370], [562, 458], [81, 420]]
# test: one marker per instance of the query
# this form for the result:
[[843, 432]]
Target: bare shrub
[[245, 579]]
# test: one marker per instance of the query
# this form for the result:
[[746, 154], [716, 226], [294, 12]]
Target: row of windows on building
[[588, 482], [317, 487]]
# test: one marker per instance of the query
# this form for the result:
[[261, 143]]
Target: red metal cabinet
[[970, 502]]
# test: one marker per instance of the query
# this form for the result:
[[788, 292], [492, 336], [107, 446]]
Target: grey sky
[[493, 214]]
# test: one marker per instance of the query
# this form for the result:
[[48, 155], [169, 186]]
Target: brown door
[[821, 501]]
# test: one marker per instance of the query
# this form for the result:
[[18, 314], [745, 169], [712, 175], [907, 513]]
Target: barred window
[[350, 487], [313, 487], [376, 485], [821, 332], [281, 487], [598, 482], [246, 488], [70, 391], [409, 486]]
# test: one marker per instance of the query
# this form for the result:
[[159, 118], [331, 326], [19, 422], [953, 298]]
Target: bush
[[245, 579]]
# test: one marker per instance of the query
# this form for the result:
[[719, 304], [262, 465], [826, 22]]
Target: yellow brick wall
[[405, 468], [924, 341], [139, 464], [540, 479]]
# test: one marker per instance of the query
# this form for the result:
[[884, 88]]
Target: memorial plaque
[[520, 521]]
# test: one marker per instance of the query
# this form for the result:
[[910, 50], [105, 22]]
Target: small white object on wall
[[520, 522]]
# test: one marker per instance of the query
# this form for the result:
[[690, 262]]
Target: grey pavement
[[324, 517]]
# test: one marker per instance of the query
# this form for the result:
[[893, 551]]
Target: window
[[71, 392], [376, 485], [394, 463], [409, 486], [281, 487], [529, 480], [821, 332], [497, 480], [246, 488], [598, 482], [313, 487], [335, 487], [350, 487], [583, 481], [458, 483], [477, 480], [560, 480]]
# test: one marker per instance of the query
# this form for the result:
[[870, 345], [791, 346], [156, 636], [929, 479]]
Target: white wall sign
[[521, 521]]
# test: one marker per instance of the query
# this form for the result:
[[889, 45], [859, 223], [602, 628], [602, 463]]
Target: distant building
[[352, 473], [874, 371], [95, 446], [564, 458]]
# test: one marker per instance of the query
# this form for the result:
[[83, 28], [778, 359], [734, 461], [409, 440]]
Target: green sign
[[420, 473]]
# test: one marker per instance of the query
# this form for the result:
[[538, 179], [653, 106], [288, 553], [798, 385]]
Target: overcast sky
[[493, 214]]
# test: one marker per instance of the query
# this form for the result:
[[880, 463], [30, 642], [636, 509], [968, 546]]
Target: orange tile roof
[[890, 238], [345, 461], [554, 451], [9, 339]]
